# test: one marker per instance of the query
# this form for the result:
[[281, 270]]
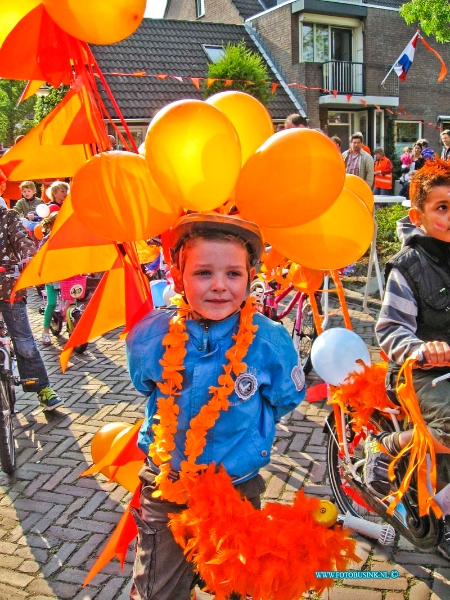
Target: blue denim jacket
[[272, 386]]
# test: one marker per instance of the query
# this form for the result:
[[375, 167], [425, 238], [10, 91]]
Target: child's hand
[[435, 353]]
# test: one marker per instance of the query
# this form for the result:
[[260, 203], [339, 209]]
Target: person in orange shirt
[[383, 174]]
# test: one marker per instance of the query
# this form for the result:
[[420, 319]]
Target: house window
[[406, 133], [322, 43], [200, 8], [138, 133], [214, 53]]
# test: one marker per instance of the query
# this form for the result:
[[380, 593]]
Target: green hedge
[[387, 240]]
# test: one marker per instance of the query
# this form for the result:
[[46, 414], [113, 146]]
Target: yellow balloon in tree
[[249, 117], [194, 155], [115, 197], [97, 21], [360, 188], [336, 239], [293, 178]]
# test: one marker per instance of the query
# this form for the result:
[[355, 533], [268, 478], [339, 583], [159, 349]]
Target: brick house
[[171, 53], [347, 47]]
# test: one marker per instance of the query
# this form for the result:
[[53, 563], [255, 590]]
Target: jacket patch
[[298, 377], [245, 385]]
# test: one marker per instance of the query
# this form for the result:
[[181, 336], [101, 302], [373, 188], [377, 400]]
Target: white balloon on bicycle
[[336, 352]]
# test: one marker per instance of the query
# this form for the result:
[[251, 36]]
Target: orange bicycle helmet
[[196, 224]]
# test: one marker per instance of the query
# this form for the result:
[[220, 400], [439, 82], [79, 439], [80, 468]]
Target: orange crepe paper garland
[[168, 410]]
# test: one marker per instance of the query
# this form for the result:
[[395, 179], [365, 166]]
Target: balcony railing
[[343, 77]]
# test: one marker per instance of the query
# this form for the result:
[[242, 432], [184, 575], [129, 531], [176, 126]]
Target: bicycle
[[8, 381], [68, 311], [311, 318], [345, 460]]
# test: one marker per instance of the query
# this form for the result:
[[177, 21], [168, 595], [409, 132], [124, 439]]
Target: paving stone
[[419, 591]]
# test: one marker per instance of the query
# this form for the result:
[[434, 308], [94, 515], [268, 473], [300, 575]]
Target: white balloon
[[168, 293], [42, 210], [25, 222], [335, 352]]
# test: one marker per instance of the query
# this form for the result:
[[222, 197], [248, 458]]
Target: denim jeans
[[29, 359]]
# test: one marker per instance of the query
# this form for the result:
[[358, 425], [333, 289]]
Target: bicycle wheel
[[76, 316], [303, 339], [257, 289], [345, 496], [7, 449], [56, 323]]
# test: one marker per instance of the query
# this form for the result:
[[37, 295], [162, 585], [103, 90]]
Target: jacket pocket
[[439, 300]]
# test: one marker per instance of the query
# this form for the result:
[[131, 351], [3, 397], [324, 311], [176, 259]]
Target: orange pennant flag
[[30, 160], [210, 81], [443, 71], [70, 250], [36, 48], [117, 545], [195, 81], [30, 89], [274, 87], [105, 311], [228, 82]]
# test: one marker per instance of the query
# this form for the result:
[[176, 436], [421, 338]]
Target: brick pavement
[[52, 524]]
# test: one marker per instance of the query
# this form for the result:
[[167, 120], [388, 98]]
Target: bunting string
[[196, 81]]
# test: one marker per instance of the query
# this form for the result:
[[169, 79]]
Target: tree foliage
[[46, 104], [433, 17], [14, 119], [242, 66]]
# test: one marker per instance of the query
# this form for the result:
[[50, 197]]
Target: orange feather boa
[[271, 554]]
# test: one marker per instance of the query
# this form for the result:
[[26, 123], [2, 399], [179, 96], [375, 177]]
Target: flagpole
[[392, 68]]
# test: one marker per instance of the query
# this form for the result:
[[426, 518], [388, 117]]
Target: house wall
[[385, 36], [216, 11]]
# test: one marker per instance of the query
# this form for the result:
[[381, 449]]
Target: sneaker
[[49, 399], [376, 467], [46, 339], [444, 546]]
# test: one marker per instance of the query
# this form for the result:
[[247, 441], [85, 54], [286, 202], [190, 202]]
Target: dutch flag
[[405, 60]]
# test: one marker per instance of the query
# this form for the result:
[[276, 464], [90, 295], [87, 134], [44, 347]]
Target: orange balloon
[[127, 475], [194, 155], [115, 197], [303, 278], [337, 238], [37, 232], [293, 178], [250, 118], [360, 188], [97, 21], [12, 12], [102, 442]]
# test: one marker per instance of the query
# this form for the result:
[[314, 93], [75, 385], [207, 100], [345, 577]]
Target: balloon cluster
[[200, 156]]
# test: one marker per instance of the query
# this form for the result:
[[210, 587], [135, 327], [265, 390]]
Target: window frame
[[332, 22], [200, 8], [399, 145], [206, 47]]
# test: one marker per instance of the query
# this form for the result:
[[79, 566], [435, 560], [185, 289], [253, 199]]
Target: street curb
[[358, 298]]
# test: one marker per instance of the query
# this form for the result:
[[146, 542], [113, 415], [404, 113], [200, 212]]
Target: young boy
[[415, 318], [214, 258], [29, 201]]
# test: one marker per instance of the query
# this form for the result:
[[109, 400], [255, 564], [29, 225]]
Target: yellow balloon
[[193, 154], [249, 117], [360, 188], [97, 21], [293, 178], [115, 197], [336, 239]]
